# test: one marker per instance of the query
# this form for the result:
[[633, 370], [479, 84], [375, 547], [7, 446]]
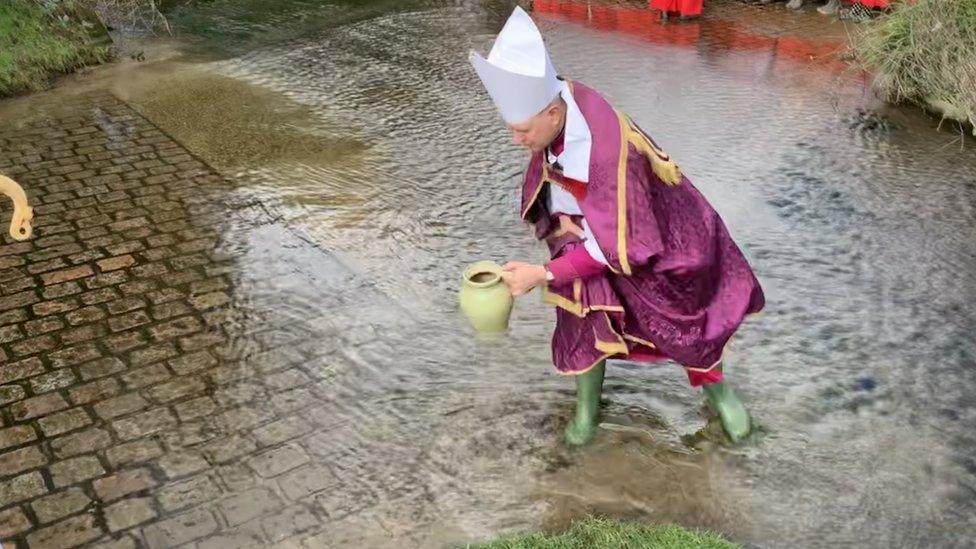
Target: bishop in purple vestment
[[642, 266]]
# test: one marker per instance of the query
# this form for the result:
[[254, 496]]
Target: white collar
[[575, 158]]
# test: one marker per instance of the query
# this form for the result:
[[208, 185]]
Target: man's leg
[[830, 8], [723, 401], [589, 387]]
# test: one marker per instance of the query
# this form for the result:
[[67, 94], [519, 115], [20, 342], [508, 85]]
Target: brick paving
[[136, 390]]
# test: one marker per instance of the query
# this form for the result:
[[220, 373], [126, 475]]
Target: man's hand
[[520, 277]]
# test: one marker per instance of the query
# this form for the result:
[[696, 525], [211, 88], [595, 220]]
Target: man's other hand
[[520, 277]]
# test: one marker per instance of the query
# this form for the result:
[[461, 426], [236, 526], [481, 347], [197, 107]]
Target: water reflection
[[368, 135], [819, 181]]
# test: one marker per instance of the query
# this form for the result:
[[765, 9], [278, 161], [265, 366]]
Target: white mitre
[[518, 73]]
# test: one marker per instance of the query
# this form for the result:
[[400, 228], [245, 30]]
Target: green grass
[[34, 46], [925, 53], [600, 533]]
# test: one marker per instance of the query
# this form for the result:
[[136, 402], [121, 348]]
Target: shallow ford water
[[365, 130]]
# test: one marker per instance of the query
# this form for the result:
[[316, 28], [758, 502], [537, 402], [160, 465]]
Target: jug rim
[[483, 267]]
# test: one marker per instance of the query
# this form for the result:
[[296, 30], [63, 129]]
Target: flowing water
[[364, 128]]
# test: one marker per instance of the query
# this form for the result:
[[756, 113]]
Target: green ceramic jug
[[484, 298]]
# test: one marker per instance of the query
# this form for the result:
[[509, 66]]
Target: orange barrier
[[723, 35]]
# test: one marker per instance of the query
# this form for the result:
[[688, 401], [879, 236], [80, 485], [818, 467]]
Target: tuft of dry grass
[[925, 53], [37, 42]]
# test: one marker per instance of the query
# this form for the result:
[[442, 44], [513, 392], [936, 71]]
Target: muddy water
[[365, 129]]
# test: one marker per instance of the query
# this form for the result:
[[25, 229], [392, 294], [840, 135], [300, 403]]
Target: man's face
[[539, 131]]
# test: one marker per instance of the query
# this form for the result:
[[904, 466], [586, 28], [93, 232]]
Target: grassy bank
[[37, 43], [925, 53], [609, 534]]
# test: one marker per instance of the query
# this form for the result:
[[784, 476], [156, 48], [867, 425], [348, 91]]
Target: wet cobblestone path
[[142, 404]]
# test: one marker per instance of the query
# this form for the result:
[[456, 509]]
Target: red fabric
[[574, 264], [574, 187], [884, 4], [685, 8], [570, 185], [695, 378]]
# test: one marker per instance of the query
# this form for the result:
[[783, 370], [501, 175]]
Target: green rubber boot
[[589, 386], [735, 419]]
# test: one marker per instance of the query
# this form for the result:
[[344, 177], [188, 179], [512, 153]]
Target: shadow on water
[[363, 130]]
